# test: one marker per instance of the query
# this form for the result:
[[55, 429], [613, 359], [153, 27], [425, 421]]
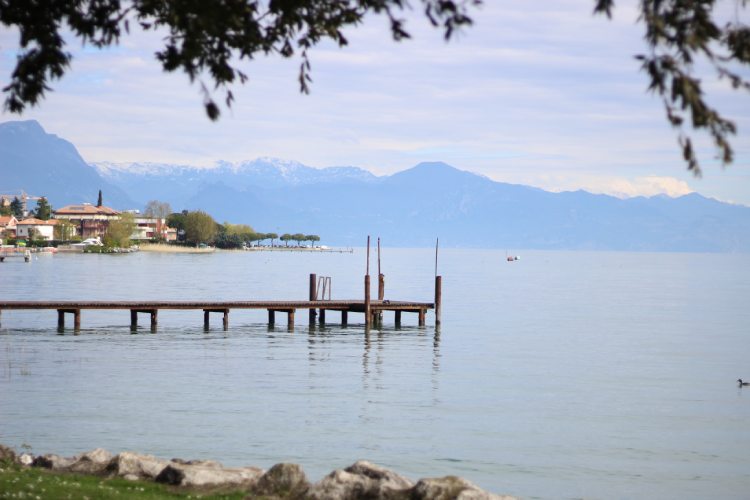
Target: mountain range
[[410, 208], [43, 164], [177, 183]]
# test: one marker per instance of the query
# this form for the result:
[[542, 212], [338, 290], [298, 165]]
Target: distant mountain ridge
[[264, 171], [177, 183], [43, 164], [345, 204]]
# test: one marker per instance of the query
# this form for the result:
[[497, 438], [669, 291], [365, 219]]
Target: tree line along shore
[[123, 229]]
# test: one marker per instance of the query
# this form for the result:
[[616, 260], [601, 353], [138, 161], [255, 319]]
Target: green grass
[[33, 483]]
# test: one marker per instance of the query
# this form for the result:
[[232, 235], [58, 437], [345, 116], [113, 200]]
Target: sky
[[539, 93]]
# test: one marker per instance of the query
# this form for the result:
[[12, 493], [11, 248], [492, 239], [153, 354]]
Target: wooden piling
[[77, 320], [271, 317], [322, 317], [154, 317], [438, 298], [226, 319], [313, 279], [290, 319], [133, 318], [205, 318], [60, 318], [368, 315], [397, 318], [381, 293], [344, 318], [422, 313]]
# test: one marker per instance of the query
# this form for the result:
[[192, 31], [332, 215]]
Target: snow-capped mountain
[[264, 172], [177, 183]]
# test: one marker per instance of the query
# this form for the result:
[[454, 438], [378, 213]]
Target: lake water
[[563, 375]]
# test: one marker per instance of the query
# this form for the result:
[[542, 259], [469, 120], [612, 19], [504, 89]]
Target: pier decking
[[372, 309], [273, 307]]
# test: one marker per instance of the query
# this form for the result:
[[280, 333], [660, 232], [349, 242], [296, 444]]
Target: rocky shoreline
[[92, 249], [361, 481]]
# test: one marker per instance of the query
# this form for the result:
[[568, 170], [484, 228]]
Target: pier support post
[[381, 294], [422, 313], [133, 318], [397, 318], [313, 280], [438, 298], [76, 315], [271, 317], [154, 317], [206, 312], [344, 318], [322, 317], [290, 319], [368, 313]]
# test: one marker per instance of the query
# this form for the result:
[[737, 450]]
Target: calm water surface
[[562, 375]]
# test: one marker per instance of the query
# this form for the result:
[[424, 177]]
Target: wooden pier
[[372, 309], [317, 305]]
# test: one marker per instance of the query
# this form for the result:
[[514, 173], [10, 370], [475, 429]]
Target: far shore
[[167, 248], [164, 247]]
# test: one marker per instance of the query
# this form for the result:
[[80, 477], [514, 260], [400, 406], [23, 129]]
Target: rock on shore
[[361, 481]]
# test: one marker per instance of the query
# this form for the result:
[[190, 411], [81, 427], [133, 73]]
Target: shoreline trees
[[199, 226]]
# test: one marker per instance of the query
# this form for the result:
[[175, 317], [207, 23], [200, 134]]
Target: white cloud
[[533, 89], [640, 186]]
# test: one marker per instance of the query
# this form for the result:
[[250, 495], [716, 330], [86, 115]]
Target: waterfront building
[[92, 221], [45, 229], [8, 223]]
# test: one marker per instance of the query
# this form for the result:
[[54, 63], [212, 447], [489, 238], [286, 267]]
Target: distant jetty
[[298, 249]]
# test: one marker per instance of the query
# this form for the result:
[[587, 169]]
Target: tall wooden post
[[368, 315], [438, 298], [313, 279], [381, 294]]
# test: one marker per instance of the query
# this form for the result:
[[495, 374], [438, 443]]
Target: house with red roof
[[91, 221], [8, 223], [45, 229]]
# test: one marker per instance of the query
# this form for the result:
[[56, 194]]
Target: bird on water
[[743, 383]]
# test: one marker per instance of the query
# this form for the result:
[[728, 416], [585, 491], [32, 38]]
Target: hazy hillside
[[345, 204], [42, 164], [412, 207], [177, 183]]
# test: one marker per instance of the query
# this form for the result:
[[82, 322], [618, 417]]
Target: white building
[[8, 223], [45, 229]]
